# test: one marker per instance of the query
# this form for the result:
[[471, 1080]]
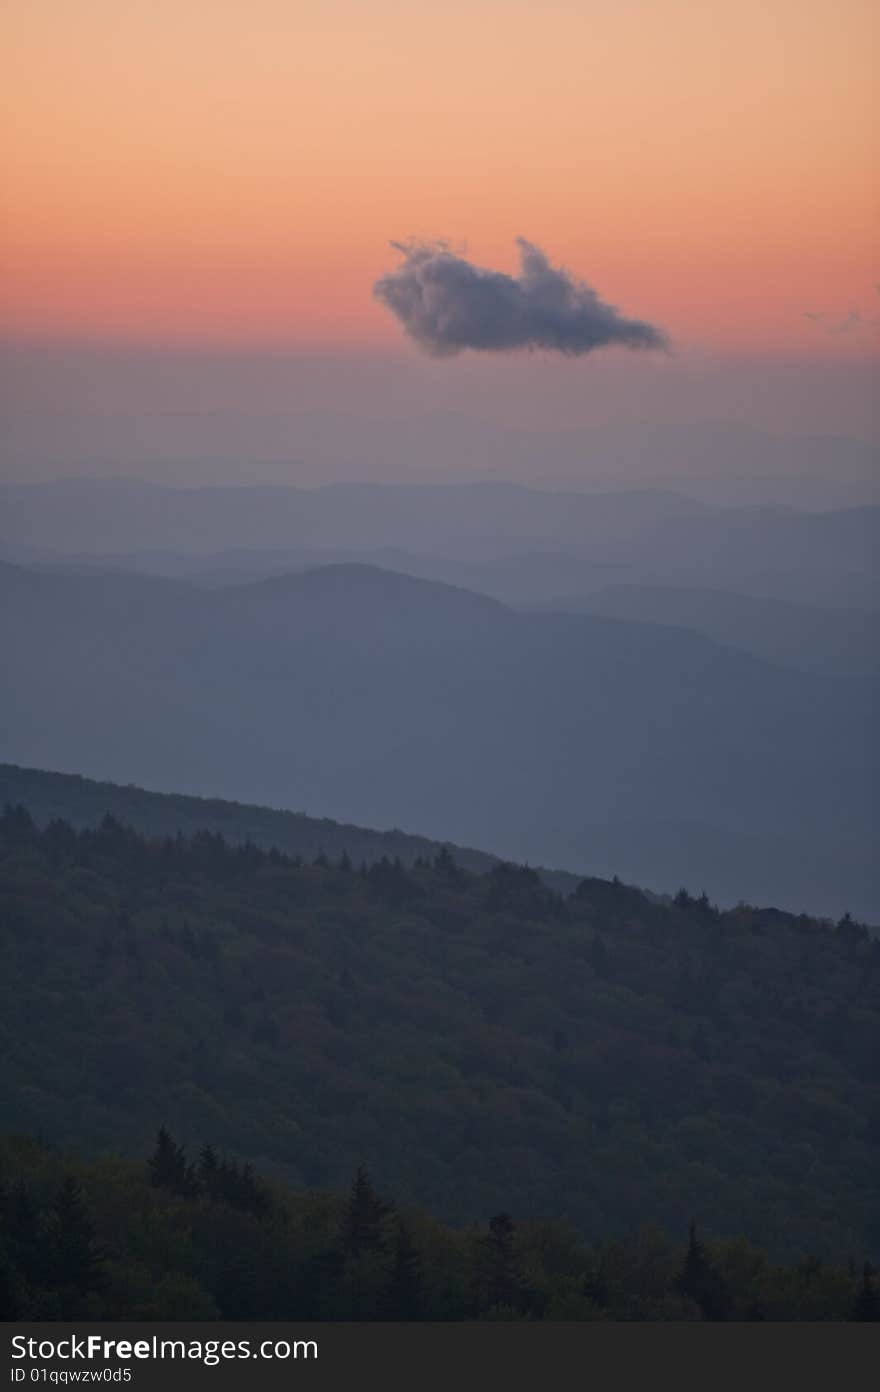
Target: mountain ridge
[[49, 794], [378, 699], [481, 1042]]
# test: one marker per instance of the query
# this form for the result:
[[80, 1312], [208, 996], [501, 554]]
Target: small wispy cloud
[[446, 304], [836, 323]]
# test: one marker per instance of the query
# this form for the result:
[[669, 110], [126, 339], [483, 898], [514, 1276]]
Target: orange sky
[[232, 170]]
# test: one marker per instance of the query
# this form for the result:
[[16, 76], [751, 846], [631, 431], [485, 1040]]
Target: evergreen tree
[[364, 1222], [444, 864], [498, 1276], [247, 1192], [404, 1296], [209, 1168], [74, 1259], [169, 1168], [180, 1262], [700, 1281]]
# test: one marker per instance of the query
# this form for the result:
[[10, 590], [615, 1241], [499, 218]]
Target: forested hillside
[[206, 1238], [84, 802], [603, 746], [482, 1043]]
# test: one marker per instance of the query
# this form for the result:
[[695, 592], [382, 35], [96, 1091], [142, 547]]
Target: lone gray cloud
[[446, 303]]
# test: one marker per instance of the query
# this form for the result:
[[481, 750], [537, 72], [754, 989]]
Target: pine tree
[[169, 1168], [364, 1222], [498, 1276], [209, 1167], [253, 1195], [404, 1296], [74, 1259], [699, 1280], [444, 864]]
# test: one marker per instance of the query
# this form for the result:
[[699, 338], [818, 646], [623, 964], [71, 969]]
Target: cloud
[[841, 323], [851, 322], [446, 303]]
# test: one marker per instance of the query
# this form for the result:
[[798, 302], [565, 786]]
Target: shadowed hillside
[[83, 802], [213, 1240], [835, 642], [482, 1042], [381, 700]]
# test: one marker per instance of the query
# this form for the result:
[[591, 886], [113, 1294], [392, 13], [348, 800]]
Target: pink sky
[[226, 173]]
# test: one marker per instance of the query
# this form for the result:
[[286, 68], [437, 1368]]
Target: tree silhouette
[[700, 1281], [169, 1168], [445, 864], [404, 1296], [289, 1262], [364, 1222], [74, 1258], [498, 1275], [208, 1171]]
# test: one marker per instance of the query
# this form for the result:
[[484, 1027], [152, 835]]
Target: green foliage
[[169, 1169], [499, 1284], [73, 1262], [405, 1287], [606, 1058], [700, 1281], [365, 1218], [101, 1240]]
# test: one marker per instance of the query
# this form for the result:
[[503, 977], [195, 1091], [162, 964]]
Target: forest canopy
[[482, 1043], [204, 1238]]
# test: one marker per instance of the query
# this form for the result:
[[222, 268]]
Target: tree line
[[210, 1239], [605, 1057]]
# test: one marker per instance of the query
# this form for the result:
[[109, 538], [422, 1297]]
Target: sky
[[212, 177]]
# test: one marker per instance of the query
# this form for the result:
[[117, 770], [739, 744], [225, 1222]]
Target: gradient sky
[[222, 170], [224, 176]]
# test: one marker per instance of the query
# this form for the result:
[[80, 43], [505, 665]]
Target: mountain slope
[[382, 700], [83, 802], [478, 1041], [292, 1254], [520, 545], [468, 519], [794, 635]]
